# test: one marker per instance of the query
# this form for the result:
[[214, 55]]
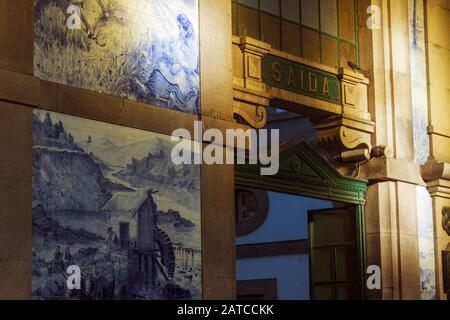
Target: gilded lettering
[[302, 86], [276, 74], [291, 81], [326, 87], [312, 82]]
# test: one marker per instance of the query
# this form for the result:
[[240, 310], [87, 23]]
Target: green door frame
[[305, 173]]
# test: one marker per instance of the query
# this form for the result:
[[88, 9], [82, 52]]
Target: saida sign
[[299, 78]]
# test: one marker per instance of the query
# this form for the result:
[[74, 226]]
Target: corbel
[[250, 93], [437, 176], [349, 133]]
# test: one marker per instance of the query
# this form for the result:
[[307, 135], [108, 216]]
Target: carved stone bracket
[[344, 134], [437, 176], [349, 133], [253, 115], [250, 94]]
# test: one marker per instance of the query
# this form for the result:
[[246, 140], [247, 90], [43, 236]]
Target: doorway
[[307, 231], [333, 251]]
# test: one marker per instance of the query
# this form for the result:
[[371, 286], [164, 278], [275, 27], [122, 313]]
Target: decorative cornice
[[351, 76], [437, 176], [303, 171], [252, 45]]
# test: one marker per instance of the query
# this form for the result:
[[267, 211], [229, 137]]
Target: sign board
[[299, 78]]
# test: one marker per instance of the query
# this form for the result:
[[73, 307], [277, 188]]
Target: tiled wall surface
[[20, 92]]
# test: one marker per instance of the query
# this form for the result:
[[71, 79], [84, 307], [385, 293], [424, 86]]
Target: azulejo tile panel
[[142, 50], [109, 200]]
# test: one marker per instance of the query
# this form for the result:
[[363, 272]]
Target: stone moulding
[[303, 171], [388, 169], [253, 115], [343, 133], [250, 94]]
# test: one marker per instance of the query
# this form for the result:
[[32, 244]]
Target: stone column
[[437, 170], [391, 210], [217, 203], [16, 55], [437, 175]]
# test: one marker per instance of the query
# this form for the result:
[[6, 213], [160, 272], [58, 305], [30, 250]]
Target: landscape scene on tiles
[[143, 50], [110, 200]]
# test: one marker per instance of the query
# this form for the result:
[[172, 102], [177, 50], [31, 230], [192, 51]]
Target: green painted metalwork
[[304, 172], [361, 242], [299, 78], [299, 23]]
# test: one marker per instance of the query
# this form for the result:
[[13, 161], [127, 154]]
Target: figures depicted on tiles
[[143, 50], [109, 200]]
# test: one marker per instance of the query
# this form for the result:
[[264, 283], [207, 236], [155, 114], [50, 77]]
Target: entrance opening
[[302, 229]]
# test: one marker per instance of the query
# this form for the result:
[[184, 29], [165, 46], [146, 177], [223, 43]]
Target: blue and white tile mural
[[143, 50], [421, 148], [426, 244], [419, 81], [109, 200]]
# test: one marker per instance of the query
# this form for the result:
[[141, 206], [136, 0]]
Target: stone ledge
[[387, 169], [440, 131], [19, 88], [30, 91]]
